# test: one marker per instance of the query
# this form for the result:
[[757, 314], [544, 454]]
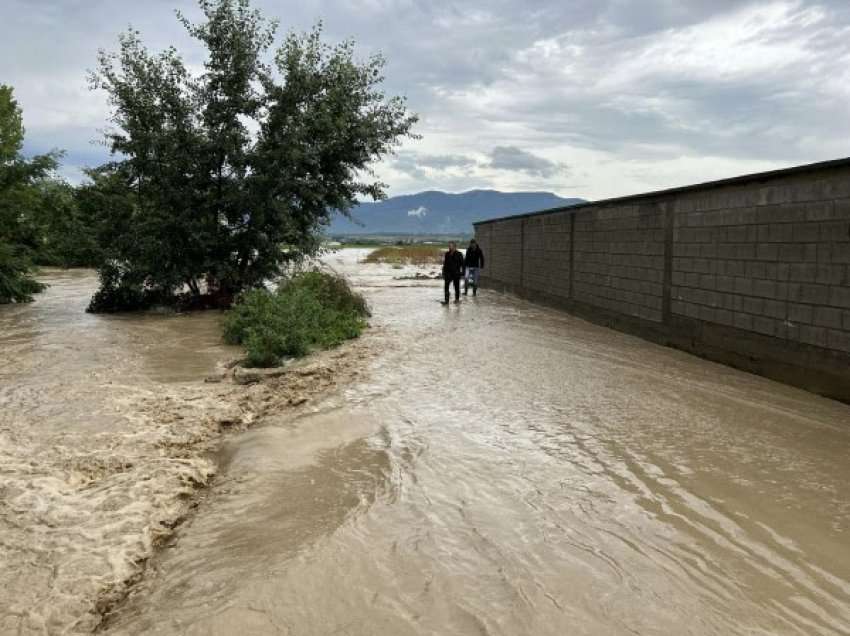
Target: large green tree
[[230, 173], [20, 239]]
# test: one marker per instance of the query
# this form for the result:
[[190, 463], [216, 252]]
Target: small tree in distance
[[223, 177]]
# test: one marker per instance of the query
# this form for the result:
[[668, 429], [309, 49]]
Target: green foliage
[[67, 231], [120, 291], [11, 126], [16, 284], [230, 174], [312, 309], [113, 211], [19, 232]]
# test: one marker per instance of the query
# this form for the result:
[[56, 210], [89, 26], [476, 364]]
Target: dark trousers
[[456, 282]]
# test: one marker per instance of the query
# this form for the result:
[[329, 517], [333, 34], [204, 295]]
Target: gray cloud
[[751, 84], [445, 162], [425, 166], [640, 93], [513, 158]]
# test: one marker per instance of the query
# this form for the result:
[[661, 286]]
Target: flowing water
[[497, 468], [91, 462], [506, 469]]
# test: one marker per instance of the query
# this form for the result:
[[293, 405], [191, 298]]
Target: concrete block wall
[[503, 254], [483, 235], [752, 271], [774, 260], [619, 259], [546, 253]]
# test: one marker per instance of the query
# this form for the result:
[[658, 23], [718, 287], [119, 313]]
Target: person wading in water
[[452, 271], [473, 262]]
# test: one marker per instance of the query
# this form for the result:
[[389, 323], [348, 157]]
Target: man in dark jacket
[[473, 263], [452, 271]]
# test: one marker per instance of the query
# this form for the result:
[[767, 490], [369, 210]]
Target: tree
[[19, 236], [66, 228], [231, 173]]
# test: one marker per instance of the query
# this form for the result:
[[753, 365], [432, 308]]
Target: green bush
[[310, 310], [120, 291], [16, 282]]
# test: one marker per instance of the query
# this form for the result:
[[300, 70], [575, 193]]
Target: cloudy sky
[[588, 98]]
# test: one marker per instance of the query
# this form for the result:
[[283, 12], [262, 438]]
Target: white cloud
[[419, 212]]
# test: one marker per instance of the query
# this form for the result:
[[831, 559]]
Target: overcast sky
[[588, 98]]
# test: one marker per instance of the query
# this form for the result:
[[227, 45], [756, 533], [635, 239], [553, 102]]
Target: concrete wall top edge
[[823, 166]]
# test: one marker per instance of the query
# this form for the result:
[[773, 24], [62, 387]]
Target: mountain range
[[435, 212]]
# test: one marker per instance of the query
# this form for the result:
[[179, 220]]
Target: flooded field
[[494, 468]]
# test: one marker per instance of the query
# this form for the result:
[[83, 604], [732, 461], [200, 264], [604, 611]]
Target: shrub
[[119, 291], [16, 283], [310, 310], [408, 254]]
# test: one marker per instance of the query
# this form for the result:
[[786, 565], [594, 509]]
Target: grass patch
[[310, 310], [407, 255]]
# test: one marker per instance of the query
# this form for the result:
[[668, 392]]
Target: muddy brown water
[[85, 478], [499, 468]]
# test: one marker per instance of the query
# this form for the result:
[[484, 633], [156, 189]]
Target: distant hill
[[435, 212]]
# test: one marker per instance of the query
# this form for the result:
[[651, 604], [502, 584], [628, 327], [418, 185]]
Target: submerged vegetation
[[407, 255], [309, 310]]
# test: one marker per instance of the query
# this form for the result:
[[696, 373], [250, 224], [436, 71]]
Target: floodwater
[[506, 469], [91, 462], [497, 468]]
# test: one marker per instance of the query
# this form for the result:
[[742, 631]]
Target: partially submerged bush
[[407, 255], [310, 310], [121, 291], [16, 282]]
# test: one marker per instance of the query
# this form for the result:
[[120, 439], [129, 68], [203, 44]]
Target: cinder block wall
[[546, 253], [752, 271], [619, 259], [505, 250], [774, 259]]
